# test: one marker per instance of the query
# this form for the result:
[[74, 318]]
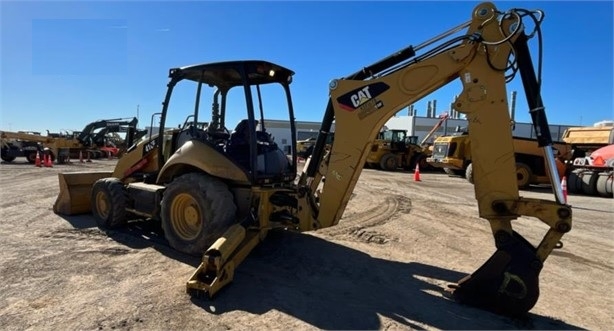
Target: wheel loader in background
[[393, 149], [218, 193]]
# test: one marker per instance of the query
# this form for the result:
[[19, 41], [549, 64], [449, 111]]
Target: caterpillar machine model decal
[[218, 193]]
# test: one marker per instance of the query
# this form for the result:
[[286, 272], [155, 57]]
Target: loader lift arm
[[360, 105]]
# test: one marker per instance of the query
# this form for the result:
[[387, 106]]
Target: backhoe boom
[[361, 105]]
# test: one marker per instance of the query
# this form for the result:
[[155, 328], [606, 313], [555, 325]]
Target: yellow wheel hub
[[186, 217], [523, 176], [102, 205]]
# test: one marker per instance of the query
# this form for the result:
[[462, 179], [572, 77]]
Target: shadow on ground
[[331, 286]]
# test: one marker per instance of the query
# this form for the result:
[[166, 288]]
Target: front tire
[[196, 210], [469, 173], [109, 200], [388, 162]]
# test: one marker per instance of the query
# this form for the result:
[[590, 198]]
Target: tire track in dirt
[[357, 226]]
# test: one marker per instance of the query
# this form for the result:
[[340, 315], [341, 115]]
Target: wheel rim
[[523, 176], [102, 205], [186, 217]]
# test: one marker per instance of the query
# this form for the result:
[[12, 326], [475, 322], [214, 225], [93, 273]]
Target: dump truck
[[585, 139], [453, 154], [217, 193], [592, 173]]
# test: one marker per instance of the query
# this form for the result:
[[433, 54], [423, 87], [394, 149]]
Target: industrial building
[[418, 126]]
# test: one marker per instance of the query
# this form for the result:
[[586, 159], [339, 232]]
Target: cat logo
[[360, 96], [150, 146]]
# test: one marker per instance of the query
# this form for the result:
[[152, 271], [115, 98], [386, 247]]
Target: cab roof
[[228, 74]]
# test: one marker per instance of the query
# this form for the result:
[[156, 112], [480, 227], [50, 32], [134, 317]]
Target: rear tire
[[574, 183], [604, 184], [196, 210], [109, 200], [523, 175], [469, 173], [589, 182]]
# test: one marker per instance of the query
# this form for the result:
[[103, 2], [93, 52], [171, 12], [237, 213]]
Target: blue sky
[[65, 64]]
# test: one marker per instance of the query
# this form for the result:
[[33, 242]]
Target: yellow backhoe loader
[[218, 193]]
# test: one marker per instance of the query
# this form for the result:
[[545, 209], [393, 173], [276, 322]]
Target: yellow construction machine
[[393, 149], [218, 193], [453, 154]]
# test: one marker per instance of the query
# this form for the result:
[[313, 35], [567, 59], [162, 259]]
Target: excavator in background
[[217, 193], [94, 137]]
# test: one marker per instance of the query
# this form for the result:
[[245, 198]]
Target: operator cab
[[245, 95]]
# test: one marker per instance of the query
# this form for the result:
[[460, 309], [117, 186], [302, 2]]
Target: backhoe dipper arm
[[508, 282]]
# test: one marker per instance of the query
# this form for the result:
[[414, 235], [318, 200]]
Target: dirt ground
[[384, 266]]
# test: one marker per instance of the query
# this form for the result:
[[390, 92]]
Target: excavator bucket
[[507, 284], [75, 192]]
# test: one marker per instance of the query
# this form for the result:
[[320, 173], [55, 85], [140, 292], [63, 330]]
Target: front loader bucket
[[507, 284], [75, 191]]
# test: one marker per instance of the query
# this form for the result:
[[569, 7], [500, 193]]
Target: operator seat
[[238, 144]]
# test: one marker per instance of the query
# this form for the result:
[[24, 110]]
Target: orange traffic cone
[[37, 161], [564, 188], [417, 173], [48, 162]]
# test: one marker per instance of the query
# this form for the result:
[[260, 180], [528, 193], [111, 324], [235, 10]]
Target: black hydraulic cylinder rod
[[537, 111], [329, 115], [532, 91], [390, 61], [318, 148]]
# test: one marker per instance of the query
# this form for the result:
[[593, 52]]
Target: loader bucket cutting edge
[[75, 191], [507, 283]]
